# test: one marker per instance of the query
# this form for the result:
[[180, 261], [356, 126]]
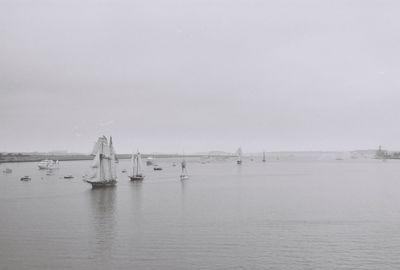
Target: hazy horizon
[[199, 75]]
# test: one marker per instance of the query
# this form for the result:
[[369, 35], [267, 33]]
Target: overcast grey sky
[[199, 75]]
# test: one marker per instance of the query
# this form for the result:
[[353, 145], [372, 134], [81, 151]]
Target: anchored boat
[[48, 164], [184, 173], [7, 170], [239, 156], [25, 178], [137, 174]]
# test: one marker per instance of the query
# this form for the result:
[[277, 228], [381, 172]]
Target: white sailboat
[[104, 165], [239, 156], [137, 173], [264, 160], [184, 173]]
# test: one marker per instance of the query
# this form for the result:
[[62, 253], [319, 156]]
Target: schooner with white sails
[[104, 171], [137, 173]]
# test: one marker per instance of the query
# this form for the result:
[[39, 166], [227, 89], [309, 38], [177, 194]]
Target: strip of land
[[21, 157]]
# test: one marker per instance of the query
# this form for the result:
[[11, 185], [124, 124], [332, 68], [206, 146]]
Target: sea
[[281, 214]]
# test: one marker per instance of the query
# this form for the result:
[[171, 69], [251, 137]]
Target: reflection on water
[[102, 201], [136, 204]]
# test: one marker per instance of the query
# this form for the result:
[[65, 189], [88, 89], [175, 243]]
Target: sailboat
[[184, 173], [239, 156], [264, 160], [104, 172], [137, 174]]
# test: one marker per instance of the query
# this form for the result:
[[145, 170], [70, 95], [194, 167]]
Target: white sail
[[99, 170], [133, 164], [136, 165], [97, 146], [103, 166], [139, 163], [95, 166]]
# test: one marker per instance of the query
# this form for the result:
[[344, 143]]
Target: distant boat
[[25, 178], [184, 173], [68, 177], [149, 161], [104, 168], [264, 160], [174, 164], [239, 156], [137, 174], [7, 170], [123, 171], [48, 164], [157, 168]]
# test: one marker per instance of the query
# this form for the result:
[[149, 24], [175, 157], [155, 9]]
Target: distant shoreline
[[10, 158]]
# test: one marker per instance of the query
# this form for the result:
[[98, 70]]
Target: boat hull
[[136, 178], [184, 177], [239, 162], [102, 184]]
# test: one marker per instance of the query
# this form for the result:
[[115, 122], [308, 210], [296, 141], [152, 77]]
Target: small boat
[[49, 172], [104, 172], [48, 164], [157, 168], [7, 170], [174, 164], [264, 160], [149, 161], [68, 176], [123, 171], [184, 174], [137, 174], [25, 178], [239, 156]]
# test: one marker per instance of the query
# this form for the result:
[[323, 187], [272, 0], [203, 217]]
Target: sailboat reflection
[[103, 206], [135, 213]]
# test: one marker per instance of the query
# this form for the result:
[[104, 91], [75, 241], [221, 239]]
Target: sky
[[197, 75]]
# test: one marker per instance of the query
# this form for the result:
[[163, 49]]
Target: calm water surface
[[275, 215]]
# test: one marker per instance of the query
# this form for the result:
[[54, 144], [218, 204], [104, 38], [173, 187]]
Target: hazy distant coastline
[[284, 155], [26, 157]]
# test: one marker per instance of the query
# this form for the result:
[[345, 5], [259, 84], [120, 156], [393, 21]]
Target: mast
[[133, 163], [112, 161], [139, 164], [183, 165], [239, 154], [101, 163]]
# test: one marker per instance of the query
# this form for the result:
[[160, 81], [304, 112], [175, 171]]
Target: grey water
[[273, 215]]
